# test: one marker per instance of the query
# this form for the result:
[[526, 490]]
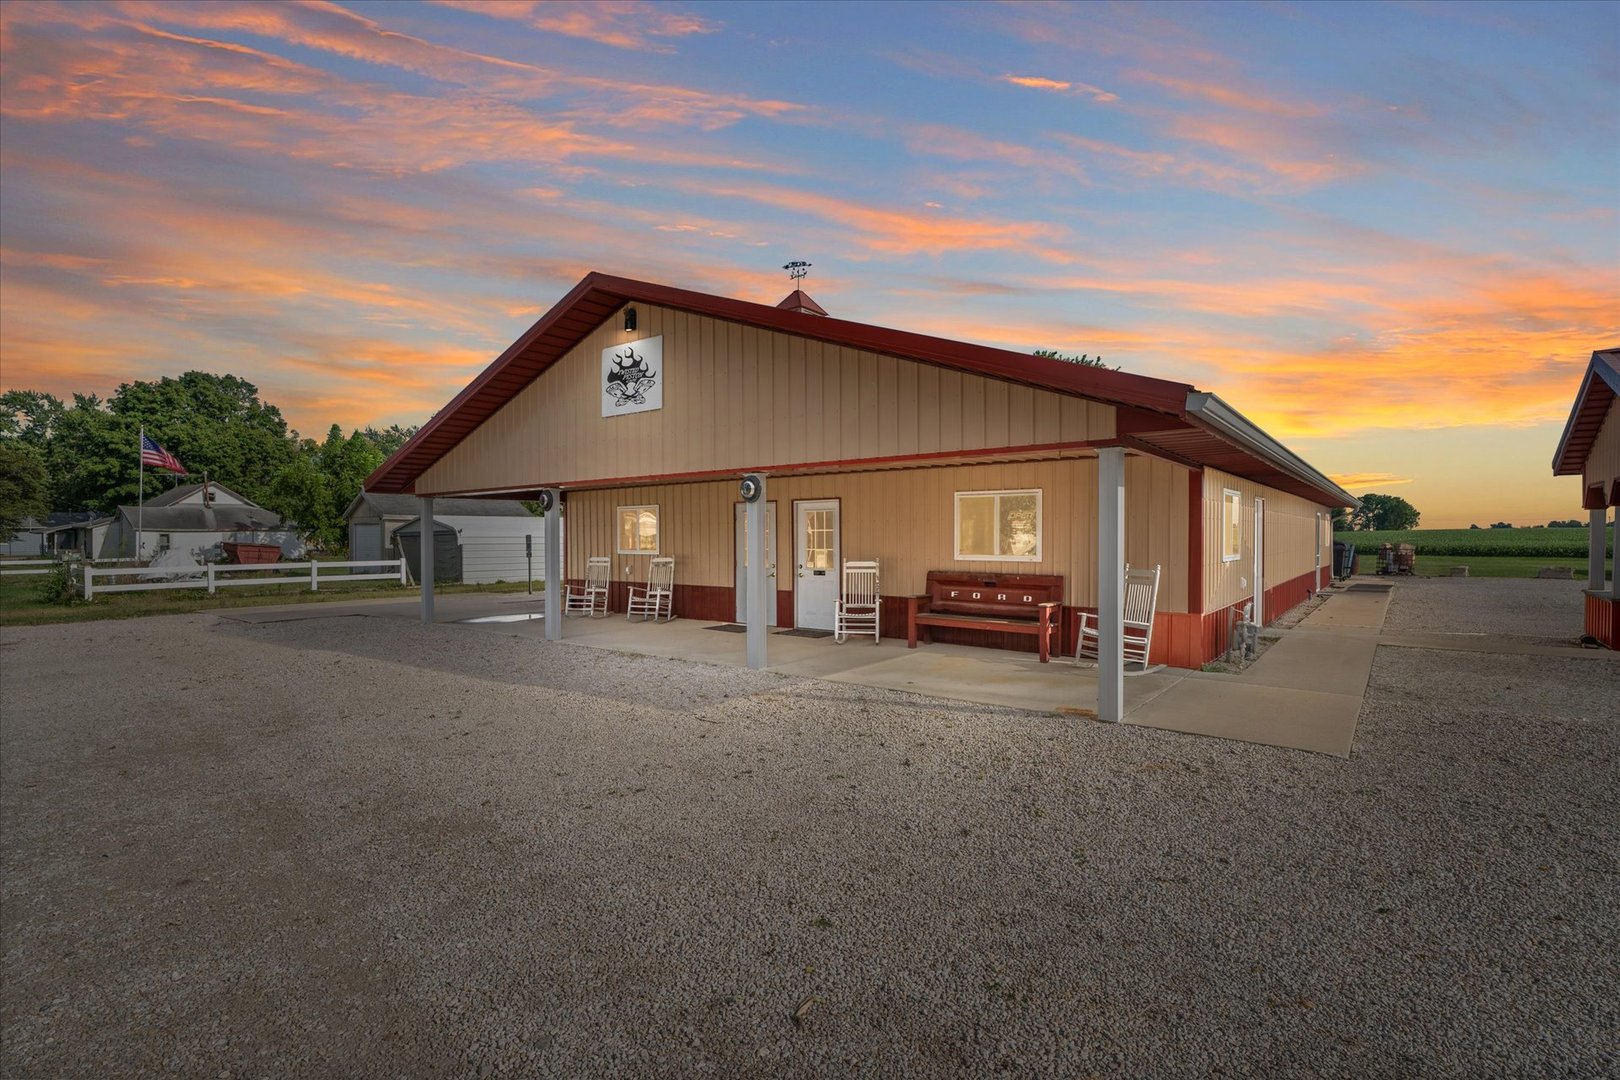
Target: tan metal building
[[1590, 449], [644, 404]]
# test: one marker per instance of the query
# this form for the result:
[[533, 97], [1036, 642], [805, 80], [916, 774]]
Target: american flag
[[154, 455]]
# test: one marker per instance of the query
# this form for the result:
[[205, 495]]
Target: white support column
[[554, 600], [1111, 584], [1597, 537], [759, 590], [427, 558]]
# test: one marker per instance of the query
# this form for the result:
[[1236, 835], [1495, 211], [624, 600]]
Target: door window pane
[[818, 539]]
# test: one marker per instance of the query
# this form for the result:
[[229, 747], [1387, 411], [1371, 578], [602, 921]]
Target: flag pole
[[140, 492]]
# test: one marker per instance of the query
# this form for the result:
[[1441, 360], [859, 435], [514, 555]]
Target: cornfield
[[1480, 543]]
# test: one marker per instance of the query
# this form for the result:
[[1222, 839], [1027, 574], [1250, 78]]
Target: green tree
[[1083, 360], [1384, 512], [93, 458], [30, 415], [388, 439], [24, 485], [212, 423], [316, 487]]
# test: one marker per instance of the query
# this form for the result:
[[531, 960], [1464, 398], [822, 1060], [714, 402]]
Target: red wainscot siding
[[709, 603], [1603, 619], [1217, 625], [1191, 641]]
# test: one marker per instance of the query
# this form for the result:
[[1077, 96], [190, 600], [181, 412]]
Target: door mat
[[729, 628], [1368, 587], [804, 631]]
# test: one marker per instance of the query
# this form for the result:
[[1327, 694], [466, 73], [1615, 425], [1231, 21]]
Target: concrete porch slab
[[1304, 693]]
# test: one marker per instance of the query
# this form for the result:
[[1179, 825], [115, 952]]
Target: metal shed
[[446, 550]]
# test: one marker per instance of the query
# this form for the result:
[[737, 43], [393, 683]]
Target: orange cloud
[[963, 145], [1351, 482], [1036, 82], [620, 25], [1231, 97], [900, 232]]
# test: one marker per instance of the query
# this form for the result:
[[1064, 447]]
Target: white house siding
[[29, 544]]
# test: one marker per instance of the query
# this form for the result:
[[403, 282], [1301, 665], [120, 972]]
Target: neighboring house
[[644, 405], [1590, 449], [77, 531], [188, 519], [490, 532]]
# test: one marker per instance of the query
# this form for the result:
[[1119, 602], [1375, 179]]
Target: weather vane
[[796, 270]]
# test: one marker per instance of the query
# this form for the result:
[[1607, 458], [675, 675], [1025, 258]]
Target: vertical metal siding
[[906, 519], [1292, 540], [740, 397]]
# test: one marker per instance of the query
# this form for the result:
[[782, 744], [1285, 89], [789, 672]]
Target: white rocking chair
[[591, 598], [656, 599], [856, 611], [1141, 599]]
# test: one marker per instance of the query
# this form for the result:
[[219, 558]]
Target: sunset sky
[[1388, 234]]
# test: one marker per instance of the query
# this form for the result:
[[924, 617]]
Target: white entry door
[[815, 559], [742, 563], [1259, 562]]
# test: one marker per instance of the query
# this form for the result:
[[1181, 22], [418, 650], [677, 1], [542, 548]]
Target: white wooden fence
[[218, 576], [9, 567]]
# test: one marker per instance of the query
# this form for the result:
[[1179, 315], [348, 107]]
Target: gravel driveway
[[360, 846]]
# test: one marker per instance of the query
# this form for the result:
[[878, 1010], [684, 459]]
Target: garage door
[[365, 541]]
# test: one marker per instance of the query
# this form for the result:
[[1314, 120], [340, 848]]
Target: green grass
[[1520, 566], [20, 604], [1537, 543]]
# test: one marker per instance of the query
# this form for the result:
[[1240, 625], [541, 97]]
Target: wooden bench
[[1002, 603]]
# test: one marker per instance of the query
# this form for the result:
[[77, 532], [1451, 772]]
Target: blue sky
[[1387, 233]]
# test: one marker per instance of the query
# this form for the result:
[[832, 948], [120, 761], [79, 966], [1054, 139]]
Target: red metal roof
[[1599, 386], [1156, 408]]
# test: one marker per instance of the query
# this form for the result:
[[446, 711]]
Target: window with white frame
[[1231, 525], [638, 530], [1004, 526]]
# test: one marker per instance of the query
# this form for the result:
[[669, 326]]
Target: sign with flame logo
[[633, 377]]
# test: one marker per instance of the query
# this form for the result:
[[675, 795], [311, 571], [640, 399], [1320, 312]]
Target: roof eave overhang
[[1599, 386], [1210, 412]]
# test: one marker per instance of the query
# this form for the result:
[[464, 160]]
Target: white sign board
[[633, 377]]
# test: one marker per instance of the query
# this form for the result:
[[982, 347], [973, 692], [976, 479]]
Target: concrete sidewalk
[[1304, 692]]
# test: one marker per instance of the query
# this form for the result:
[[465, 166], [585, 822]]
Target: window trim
[[1238, 554], [658, 533], [1040, 525]]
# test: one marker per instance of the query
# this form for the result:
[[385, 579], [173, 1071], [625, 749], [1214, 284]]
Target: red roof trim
[[1599, 387]]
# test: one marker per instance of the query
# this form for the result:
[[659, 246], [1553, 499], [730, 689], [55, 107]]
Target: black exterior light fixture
[[629, 318]]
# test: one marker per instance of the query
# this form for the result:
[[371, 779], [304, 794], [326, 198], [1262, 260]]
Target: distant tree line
[[1567, 523], [85, 455]]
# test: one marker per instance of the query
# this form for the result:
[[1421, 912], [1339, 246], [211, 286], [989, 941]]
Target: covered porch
[[1304, 694]]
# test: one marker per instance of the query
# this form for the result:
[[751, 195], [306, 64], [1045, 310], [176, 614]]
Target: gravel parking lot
[[360, 846]]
